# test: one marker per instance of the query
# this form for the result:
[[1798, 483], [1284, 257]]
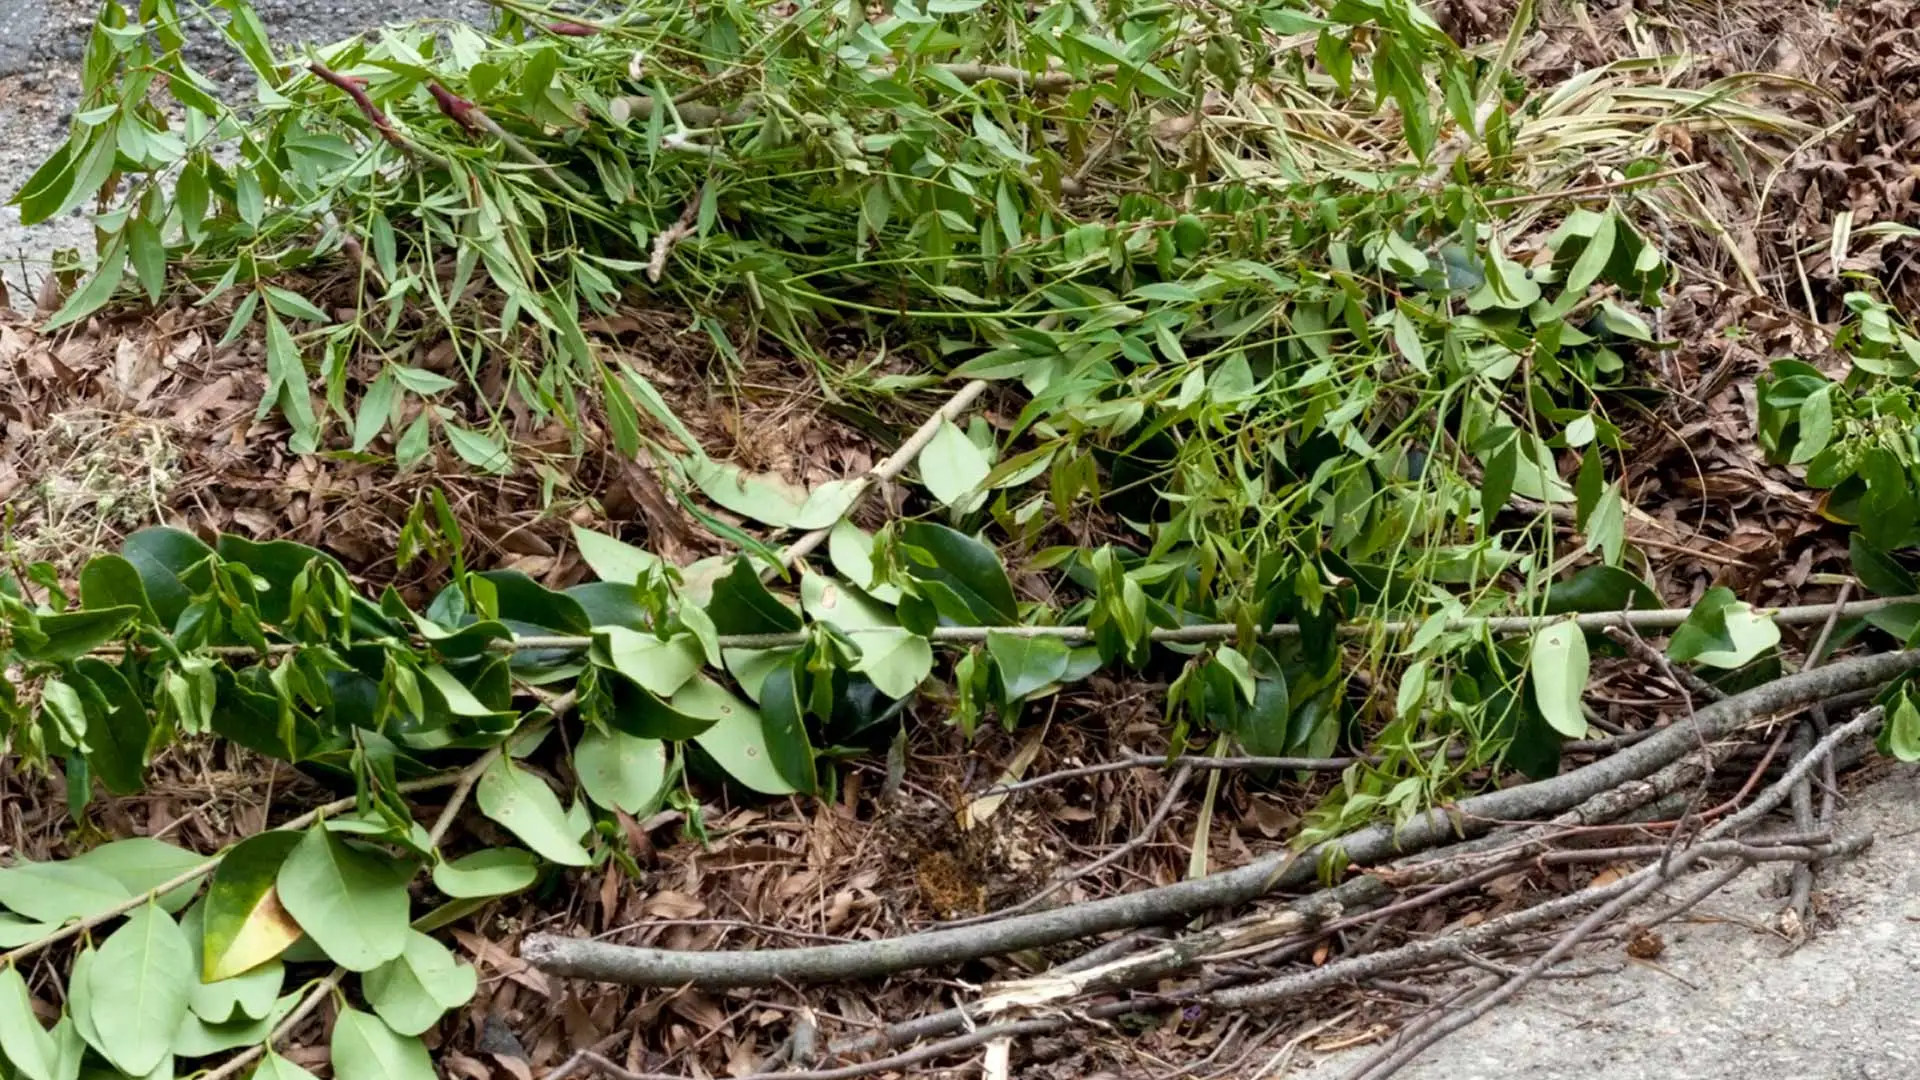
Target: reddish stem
[[572, 29], [356, 88], [455, 106]]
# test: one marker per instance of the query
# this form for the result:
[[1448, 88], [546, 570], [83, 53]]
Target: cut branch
[[666, 968]]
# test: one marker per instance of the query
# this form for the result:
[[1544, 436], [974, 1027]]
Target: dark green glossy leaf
[[1877, 570], [73, 634], [110, 581], [742, 605], [1600, 588], [783, 720], [119, 729], [970, 569], [161, 556]]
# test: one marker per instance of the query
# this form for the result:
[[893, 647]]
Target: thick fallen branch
[[664, 967]]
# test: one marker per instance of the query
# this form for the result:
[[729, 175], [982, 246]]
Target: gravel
[[40, 47], [1729, 999]]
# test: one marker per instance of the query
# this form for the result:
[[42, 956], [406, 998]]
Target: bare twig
[[1184, 635], [895, 463]]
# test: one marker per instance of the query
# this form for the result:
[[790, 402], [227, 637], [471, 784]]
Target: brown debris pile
[[142, 420]]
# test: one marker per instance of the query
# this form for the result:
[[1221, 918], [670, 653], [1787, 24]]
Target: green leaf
[[996, 138], [742, 605], [736, 741], [614, 560], [951, 466], [1902, 737], [141, 864], [410, 993], [1600, 588], [110, 581], [971, 569], [118, 736], [828, 601], [74, 634], [1027, 664], [526, 807], [620, 771], [352, 903], [850, 549], [770, 499], [162, 555], [783, 724], [53, 892], [365, 1048], [197, 1038], [660, 667], [245, 997], [1722, 632], [27, 1045], [482, 451], [139, 989], [1593, 258], [1877, 570], [274, 1067], [244, 924], [15, 931], [1559, 664], [149, 257], [487, 873], [1816, 425], [896, 660]]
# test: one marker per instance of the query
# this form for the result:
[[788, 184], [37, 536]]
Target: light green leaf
[[896, 660], [482, 451], [57, 891], [661, 667], [1593, 258], [197, 1038], [15, 931], [141, 863], [849, 609], [1026, 664], [275, 1067], [736, 740], [352, 903], [27, 1045], [621, 771], [492, 872], [139, 989], [614, 560], [764, 497], [526, 807], [411, 992], [951, 466], [1559, 664], [365, 1048], [850, 549]]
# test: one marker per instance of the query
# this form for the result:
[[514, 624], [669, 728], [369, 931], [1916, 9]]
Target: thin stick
[[895, 464], [1800, 892], [1202, 633]]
